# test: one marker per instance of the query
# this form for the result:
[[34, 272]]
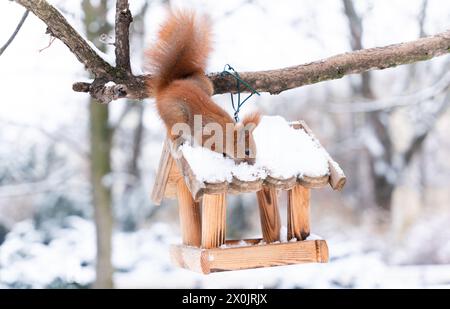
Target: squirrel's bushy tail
[[182, 49]]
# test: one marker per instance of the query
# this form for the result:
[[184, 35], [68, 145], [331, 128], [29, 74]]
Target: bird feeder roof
[[179, 163]]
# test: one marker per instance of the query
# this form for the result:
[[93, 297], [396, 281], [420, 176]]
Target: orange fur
[[177, 63], [253, 118]]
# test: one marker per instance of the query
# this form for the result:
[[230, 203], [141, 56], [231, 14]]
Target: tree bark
[[100, 167], [122, 42], [101, 143], [59, 27], [272, 81], [138, 135]]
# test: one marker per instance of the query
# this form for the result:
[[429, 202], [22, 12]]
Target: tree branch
[[13, 36], [277, 81], [273, 81], [123, 21], [389, 103], [61, 29]]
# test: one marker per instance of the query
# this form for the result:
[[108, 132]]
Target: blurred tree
[[96, 24], [383, 186], [133, 191], [387, 165]]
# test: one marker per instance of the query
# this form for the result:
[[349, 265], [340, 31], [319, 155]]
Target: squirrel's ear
[[252, 119]]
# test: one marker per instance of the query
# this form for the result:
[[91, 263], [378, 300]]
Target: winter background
[[47, 231]]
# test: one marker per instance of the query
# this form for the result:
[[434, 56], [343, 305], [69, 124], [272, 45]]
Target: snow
[[28, 258], [286, 152], [246, 172], [241, 243], [39, 264], [207, 165], [109, 58], [141, 260], [314, 237], [282, 152], [283, 234]]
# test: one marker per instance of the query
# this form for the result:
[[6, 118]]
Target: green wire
[[229, 70]]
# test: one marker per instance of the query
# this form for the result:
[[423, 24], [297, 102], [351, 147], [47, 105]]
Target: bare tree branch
[[61, 29], [418, 97], [13, 36], [56, 137], [419, 139], [423, 18], [273, 81], [123, 21], [277, 81]]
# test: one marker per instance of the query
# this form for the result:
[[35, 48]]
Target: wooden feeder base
[[255, 255]]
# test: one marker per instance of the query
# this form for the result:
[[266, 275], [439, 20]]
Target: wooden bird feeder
[[202, 211]]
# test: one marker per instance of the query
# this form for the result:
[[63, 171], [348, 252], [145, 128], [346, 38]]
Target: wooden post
[[189, 212], [298, 213], [213, 220], [269, 214]]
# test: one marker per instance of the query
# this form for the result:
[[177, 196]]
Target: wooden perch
[[251, 255], [272, 81]]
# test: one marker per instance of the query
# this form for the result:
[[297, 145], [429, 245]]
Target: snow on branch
[[272, 81]]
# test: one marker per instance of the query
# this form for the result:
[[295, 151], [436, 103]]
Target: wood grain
[[314, 182], [162, 176], [213, 220], [172, 181], [280, 184], [189, 258], [269, 214], [189, 212], [298, 213], [195, 186], [237, 258], [238, 186]]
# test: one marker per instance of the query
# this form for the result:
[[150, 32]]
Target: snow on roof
[[282, 152]]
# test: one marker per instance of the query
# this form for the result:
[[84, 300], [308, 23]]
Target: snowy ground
[[63, 257]]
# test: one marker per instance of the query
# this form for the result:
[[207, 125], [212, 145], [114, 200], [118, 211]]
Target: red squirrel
[[177, 63]]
